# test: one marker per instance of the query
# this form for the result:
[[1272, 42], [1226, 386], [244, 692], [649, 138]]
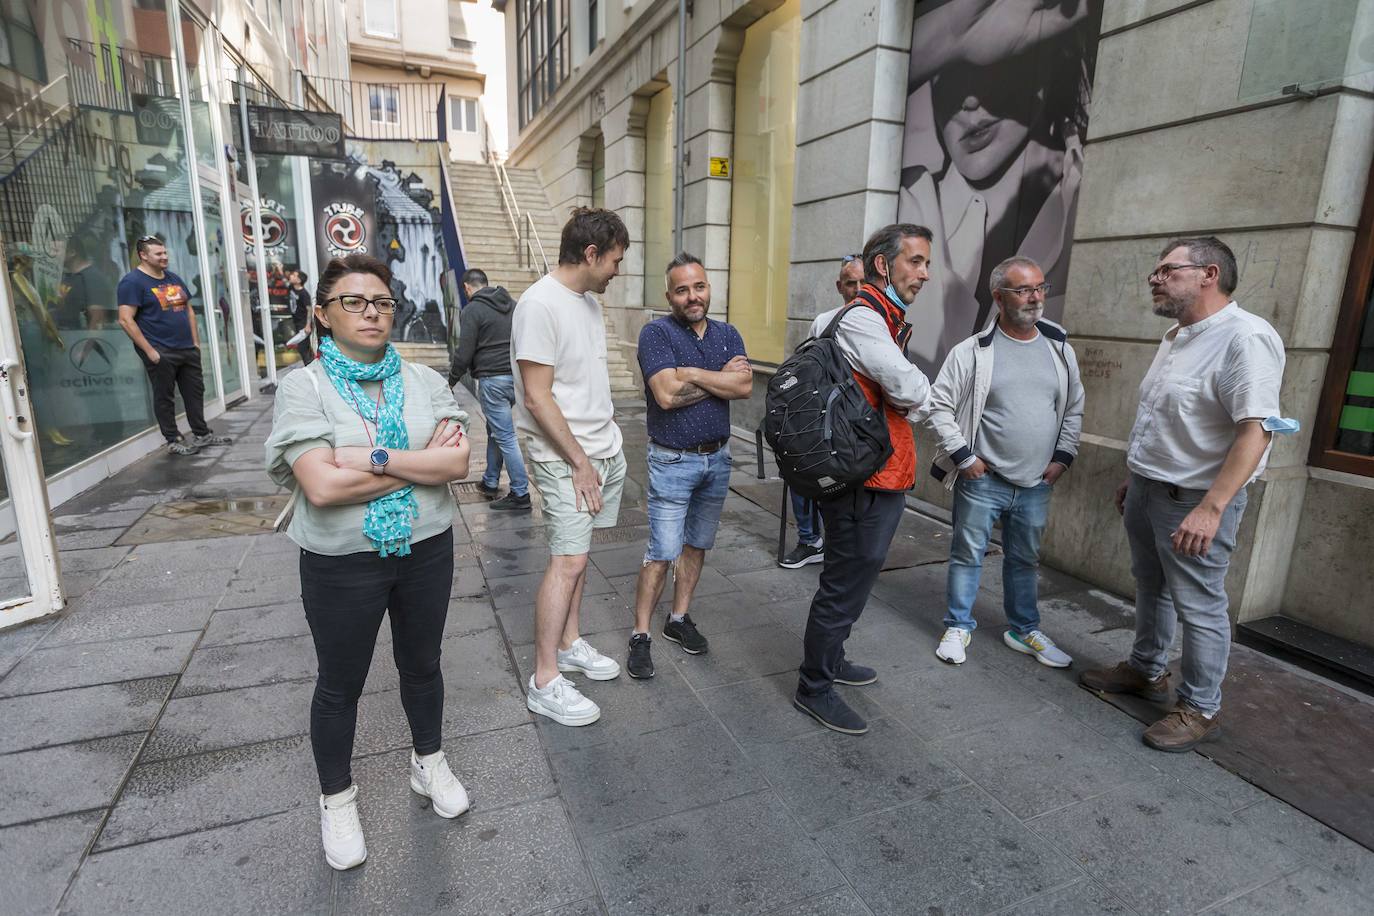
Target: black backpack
[[826, 437]]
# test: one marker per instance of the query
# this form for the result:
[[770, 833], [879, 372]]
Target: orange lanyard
[[381, 393]]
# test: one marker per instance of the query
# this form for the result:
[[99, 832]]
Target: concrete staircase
[[434, 355], [490, 244]]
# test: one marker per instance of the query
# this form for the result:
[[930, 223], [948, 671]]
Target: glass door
[[29, 582], [218, 252]]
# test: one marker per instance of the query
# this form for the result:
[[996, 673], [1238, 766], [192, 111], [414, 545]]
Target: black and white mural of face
[[997, 109]]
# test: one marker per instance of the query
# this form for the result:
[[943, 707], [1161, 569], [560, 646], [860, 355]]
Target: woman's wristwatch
[[379, 459]]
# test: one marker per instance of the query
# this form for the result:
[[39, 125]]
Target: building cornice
[[427, 65]]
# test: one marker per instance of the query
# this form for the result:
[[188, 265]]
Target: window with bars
[[542, 46], [1343, 439], [384, 104], [462, 114]]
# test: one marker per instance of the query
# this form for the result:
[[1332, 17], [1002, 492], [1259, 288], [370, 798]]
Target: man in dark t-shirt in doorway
[[155, 311]]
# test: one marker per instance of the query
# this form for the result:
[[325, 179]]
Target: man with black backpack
[[861, 517]]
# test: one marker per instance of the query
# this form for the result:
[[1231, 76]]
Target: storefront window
[[282, 247], [218, 254], [761, 205], [111, 167]]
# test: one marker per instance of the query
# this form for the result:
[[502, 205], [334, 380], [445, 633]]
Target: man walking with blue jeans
[[1201, 434], [484, 349], [1007, 408], [693, 367]]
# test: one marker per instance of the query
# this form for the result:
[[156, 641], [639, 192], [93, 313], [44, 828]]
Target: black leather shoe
[[511, 503], [832, 712], [855, 675]]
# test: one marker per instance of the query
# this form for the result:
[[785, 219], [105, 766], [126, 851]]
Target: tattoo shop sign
[[345, 219], [286, 132]]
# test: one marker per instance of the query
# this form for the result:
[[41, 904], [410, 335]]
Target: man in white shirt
[[1200, 436], [563, 410]]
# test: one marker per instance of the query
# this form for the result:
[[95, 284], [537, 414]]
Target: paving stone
[[623, 560], [743, 856], [711, 585], [826, 777], [93, 560], [86, 664], [951, 700], [229, 626], [629, 707], [64, 779], [760, 711], [17, 642], [511, 538], [1313, 842], [257, 592], [269, 865], [1309, 891], [1042, 762], [581, 908], [1158, 847], [87, 621], [468, 583], [988, 858], [248, 665], [778, 584], [84, 521], [832, 903], [178, 557], [468, 710], [521, 859], [186, 794], [504, 562], [43, 719], [1083, 898], [152, 590], [91, 537], [40, 859], [230, 718], [519, 591], [633, 780], [749, 653], [498, 769]]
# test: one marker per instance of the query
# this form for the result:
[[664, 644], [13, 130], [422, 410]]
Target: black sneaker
[[486, 490], [211, 439], [685, 634], [511, 503], [640, 664], [802, 555], [831, 711], [855, 675]]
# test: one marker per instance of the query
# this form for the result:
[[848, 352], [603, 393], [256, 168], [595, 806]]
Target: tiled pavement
[[153, 756]]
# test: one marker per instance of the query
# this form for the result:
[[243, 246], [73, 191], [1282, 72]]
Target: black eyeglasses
[[385, 305], [1164, 271], [1025, 291]]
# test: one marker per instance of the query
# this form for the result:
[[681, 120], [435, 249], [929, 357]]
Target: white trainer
[[951, 647], [1041, 646], [341, 830], [562, 702], [582, 657], [431, 777]]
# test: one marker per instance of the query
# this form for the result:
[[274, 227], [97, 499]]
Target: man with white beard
[[1007, 409]]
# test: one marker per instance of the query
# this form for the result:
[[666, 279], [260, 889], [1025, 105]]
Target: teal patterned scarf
[[387, 521]]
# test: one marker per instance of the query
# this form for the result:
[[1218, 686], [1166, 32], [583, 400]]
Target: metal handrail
[[33, 100], [39, 127], [508, 202], [534, 234]]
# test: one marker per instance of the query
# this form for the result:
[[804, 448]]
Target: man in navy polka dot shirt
[[693, 367]]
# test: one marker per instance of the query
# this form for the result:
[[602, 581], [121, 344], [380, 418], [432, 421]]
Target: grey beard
[[1169, 308]]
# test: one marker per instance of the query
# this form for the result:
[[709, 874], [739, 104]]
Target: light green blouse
[[307, 416]]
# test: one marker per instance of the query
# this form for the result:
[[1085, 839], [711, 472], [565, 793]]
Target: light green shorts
[[569, 528]]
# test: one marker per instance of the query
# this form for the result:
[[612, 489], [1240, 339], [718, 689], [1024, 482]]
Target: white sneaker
[[951, 648], [341, 830], [582, 657], [1041, 646], [561, 702], [431, 777]]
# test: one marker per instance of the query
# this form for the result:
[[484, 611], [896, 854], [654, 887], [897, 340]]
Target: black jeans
[[859, 527], [177, 369], [345, 598]]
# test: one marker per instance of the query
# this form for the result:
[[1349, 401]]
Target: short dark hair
[[475, 277], [342, 267], [887, 242], [305, 277], [1208, 249], [591, 226], [148, 241], [681, 259]]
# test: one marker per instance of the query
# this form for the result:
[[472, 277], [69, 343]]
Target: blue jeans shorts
[[686, 494]]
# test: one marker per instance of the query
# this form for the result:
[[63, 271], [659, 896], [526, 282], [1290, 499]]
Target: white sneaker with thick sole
[[431, 777], [1041, 646], [952, 644], [341, 831], [560, 701], [583, 658]]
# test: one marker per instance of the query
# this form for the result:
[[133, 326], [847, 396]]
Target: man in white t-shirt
[[564, 413], [1201, 434]]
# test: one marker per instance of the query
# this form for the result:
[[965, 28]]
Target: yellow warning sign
[[720, 166]]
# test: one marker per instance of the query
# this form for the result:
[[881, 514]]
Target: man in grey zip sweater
[[1007, 408]]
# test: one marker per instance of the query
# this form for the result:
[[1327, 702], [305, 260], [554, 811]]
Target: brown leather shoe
[[1183, 729], [1125, 678]]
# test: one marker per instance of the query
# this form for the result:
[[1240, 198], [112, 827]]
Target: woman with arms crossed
[[371, 442]]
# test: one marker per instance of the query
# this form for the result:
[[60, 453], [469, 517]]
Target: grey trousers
[[1170, 588]]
